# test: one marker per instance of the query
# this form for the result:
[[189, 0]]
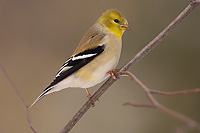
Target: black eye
[[116, 20]]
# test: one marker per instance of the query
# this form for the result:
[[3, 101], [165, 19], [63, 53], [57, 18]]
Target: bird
[[95, 57]]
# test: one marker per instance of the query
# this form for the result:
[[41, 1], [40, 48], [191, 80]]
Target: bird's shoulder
[[93, 38]]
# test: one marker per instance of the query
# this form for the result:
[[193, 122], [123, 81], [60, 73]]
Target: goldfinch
[[95, 57]]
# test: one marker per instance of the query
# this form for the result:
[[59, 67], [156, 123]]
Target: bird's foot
[[113, 74], [89, 96]]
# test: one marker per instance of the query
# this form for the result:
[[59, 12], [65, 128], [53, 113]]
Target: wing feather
[[90, 47], [76, 62]]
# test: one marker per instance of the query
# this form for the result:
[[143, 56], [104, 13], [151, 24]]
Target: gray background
[[37, 36]]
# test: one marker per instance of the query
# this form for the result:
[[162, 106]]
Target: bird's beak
[[125, 27]]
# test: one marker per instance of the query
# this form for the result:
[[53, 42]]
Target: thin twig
[[192, 5], [2, 4], [190, 122], [140, 105], [19, 97], [175, 92]]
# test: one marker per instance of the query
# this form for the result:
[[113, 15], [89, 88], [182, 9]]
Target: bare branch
[[190, 122], [193, 4], [2, 4], [175, 92], [141, 105], [19, 97]]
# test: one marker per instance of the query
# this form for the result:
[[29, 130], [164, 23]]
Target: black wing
[[75, 63]]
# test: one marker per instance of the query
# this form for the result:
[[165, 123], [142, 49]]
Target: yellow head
[[113, 21]]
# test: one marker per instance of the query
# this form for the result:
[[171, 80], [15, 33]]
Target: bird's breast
[[96, 70]]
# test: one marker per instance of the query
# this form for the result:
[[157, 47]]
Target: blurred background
[[37, 36]]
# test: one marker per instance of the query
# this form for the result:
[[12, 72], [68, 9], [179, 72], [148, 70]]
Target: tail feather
[[41, 96]]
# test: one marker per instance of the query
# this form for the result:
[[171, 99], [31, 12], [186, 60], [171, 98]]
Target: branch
[[192, 5], [140, 105], [2, 4], [155, 104], [19, 97], [175, 92]]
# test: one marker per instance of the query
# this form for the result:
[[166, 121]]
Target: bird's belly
[[91, 76], [96, 71]]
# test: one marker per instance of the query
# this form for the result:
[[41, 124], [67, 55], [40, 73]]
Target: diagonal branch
[[19, 97], [2, 4], [192, 5]]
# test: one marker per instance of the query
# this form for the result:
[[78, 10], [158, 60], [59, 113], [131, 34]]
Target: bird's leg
[[88, 93], [112, 73], [89, 96]]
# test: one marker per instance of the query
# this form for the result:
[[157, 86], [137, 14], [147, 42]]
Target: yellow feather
[[104, 25]]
